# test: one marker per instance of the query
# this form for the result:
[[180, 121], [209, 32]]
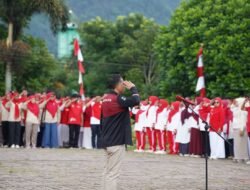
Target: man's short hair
[[114, 80], [75, 96]]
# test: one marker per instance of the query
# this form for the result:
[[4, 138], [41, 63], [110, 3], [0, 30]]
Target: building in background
[[65, 38]]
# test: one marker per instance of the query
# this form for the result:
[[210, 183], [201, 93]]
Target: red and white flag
[[200, 74], [80, 60]]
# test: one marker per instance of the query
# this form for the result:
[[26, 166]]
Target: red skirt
[[195, 146]]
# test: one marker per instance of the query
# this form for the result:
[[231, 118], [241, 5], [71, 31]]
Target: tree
[[36, 70], [124, 46], [223, 27], [17, 15]]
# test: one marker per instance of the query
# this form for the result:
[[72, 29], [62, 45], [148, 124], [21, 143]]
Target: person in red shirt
[[75, 120], [63, 127], [217, 119], [86, 142], [95, 121]]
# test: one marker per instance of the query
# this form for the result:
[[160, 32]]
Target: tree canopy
[[124, 46], [35, 70], [223, 27]]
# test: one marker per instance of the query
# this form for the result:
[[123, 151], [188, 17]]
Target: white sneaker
[[12, 146], [248, 162], [140, 151], [136, 150], [17, 146], [196, 156], [186, 155], [160, 152], [149, 151]]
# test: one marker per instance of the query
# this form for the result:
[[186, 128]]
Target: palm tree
[[17, 14]]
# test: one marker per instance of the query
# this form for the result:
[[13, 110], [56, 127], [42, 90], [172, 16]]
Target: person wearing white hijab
[[239, 131]]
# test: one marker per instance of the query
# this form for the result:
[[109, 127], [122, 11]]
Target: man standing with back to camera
[[116, 127]]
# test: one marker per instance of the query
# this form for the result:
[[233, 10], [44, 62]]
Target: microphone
[[180, 98]]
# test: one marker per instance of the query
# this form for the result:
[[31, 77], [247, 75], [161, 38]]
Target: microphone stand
[[207, 126]]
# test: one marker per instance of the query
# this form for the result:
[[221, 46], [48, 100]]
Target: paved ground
[[66, 169]]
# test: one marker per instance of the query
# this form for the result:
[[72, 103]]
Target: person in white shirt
[[174, 120], [14, 119], [139, 126], [239, 131], [4, 119], [160, 126], [32, 120], [150, 123]]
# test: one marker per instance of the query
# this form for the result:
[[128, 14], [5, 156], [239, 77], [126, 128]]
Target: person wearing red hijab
[[151, 119], [173, 121], [227, 128], [204, 111], [160, 126], [195, 145], [217, 119], [140, 117]]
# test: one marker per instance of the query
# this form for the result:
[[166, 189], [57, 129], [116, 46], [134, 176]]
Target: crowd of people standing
[[43, 120], [181, 126]]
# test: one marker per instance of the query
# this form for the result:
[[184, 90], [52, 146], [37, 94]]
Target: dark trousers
[[205, 143], [229, 149], [21, 143], [40, 136], [184, 148], [5, 131], [74, 131], [96, 133], [14, 133]]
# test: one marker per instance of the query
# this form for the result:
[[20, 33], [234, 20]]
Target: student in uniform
[[239, 124], [227, 129], [75, 119], [51, 118], [14, 119], [4, 118], [23, 97], [32, 108], [183, 131], [95, 121], [63, 127], [195, 145], [174, 119], [246, 107], [151, 119], [204, 111], [160, 126], [140, 117], [217, 118], [87, 134]]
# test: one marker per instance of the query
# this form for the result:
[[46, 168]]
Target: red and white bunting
[[200, 74]]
